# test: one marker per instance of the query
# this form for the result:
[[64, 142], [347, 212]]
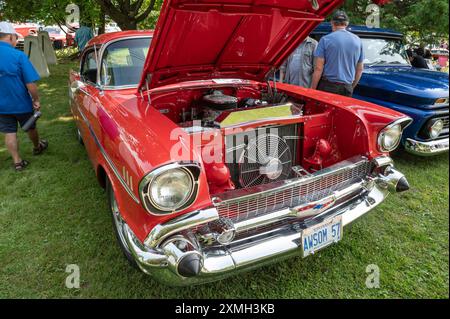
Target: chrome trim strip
[[108, 159], [427, 148]]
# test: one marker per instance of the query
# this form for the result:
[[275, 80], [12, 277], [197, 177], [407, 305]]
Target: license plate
[[321, 236]]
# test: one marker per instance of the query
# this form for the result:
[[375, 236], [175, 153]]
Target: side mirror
[[77, 85]]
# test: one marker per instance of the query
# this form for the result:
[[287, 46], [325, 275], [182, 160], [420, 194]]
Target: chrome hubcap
[[118, 220]]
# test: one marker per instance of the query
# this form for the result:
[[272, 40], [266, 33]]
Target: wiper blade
[[377, 63]]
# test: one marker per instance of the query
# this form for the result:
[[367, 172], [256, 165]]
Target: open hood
[[218, 39]]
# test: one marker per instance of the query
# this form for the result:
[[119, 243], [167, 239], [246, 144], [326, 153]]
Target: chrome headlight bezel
[[399, 126], [192, 170], [438, 122]]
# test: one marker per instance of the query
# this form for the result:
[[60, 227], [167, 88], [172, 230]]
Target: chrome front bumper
[[427, 148], [160, 258]]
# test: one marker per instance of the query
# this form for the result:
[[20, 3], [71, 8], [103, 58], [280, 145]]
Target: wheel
[[118, 224], [79, 137]]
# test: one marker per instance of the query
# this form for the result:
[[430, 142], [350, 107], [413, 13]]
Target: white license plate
[[321, 236]]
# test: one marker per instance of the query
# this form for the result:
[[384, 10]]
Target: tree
[[423, 21], [128, 13], [47, 11]]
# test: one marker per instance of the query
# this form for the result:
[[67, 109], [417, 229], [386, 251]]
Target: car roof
[[360, 30], [107, 37]]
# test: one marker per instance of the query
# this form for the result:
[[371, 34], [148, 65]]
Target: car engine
[[259, 148]]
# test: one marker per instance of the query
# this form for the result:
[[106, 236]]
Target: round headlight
[[389, 138], [171, 189], [436, 129]]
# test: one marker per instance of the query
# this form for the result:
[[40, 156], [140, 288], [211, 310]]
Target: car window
[[384, 51], [89, 67], [123, 62], [53, 30]]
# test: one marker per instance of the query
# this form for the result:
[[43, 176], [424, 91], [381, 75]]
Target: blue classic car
[[389, 80]]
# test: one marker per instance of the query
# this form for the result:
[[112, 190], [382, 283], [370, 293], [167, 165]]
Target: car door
[[84, 95]]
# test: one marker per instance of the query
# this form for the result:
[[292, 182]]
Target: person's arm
[[33, 89], [283, 70], [30, 76], [319, 63], [358, 74], [318, 71]]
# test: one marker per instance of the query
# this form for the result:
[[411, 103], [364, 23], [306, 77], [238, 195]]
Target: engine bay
[[263, 135]]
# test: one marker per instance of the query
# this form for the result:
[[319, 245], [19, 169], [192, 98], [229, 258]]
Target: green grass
[[55, 214]]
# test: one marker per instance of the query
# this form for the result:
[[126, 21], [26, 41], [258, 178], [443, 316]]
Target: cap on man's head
[[340, 16], [7, 28]]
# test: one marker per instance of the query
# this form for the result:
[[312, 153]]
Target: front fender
[[351, 114], [419, 116], [138, 139]]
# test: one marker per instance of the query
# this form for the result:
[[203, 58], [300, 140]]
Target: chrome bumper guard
[[427, 148], [161, 258]]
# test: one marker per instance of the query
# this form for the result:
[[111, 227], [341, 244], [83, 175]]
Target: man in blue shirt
[[19, 96], [82, 36], [339, 59]]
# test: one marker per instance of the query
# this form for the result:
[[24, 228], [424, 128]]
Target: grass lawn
[[55, 214]]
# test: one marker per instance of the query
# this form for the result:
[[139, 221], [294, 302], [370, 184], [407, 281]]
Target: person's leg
[[12, 145], [34, 137], [38, 145], [8, 126]]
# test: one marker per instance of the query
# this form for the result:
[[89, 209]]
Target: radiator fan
[[266, 158]]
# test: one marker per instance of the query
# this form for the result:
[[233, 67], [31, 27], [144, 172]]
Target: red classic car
[[211, 168]]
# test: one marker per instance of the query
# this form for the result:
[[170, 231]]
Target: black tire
[[79, 137], [117, 222]]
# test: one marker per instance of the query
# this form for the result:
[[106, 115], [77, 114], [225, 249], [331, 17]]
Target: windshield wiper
[[377, 63]]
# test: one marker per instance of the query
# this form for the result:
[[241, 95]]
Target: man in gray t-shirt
[[299, 67]]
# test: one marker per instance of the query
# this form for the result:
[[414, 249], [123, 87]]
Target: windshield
[[384, 51], [123, 62]]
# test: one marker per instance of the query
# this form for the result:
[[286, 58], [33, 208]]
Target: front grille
[[235, 145], [307, 190]]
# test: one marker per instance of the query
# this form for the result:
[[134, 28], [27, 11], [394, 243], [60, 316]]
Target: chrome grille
[[306, 190], [446, 126]]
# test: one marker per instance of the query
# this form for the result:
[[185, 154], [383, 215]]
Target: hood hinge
[[148, 78]]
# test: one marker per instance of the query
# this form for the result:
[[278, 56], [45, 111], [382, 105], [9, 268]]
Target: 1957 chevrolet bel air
[[209, 168]]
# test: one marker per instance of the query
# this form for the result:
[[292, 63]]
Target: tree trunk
[[127, 15], [127, 24], [102, 26]]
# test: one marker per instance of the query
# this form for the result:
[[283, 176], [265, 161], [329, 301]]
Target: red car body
[[25, 29], [231, 47]]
